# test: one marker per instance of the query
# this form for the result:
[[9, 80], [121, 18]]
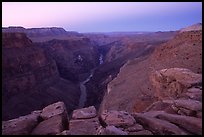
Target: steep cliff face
[[30, 78], [132, 91], [74, 58]]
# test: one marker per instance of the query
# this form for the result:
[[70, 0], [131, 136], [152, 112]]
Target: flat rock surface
[[83, 113], [84, 126]]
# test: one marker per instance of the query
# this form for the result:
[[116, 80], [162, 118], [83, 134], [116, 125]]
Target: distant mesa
[[194, 27], [42, 34], [33, 31]]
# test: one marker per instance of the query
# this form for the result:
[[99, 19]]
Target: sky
[[102, 16]]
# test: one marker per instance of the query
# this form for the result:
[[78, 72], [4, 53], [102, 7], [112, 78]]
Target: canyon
[[69, 83]]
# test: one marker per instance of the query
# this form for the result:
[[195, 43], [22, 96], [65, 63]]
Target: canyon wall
[[31, 78], [74, 58], [132, 91]]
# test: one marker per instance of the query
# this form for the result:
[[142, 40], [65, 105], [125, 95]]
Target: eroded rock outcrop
[[174, 81]]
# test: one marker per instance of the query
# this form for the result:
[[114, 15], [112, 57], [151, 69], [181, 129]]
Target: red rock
[[117, 118], [51, 126], [84, 126], [83, 113], [159, 105], [157, 126], [20, 126], [193, 93], [53, 110], [134, 128], [191, 124], [172, 82], [112, 130], [143, 132], [152, 113], [65, 132], [188, 112], [189, 104], [199, 115]]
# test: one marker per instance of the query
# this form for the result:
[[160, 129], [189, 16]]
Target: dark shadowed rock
[[117, 118], [199, 115], [191, 124], [20, 126], [51, 126], [84, 126], [74, 57], [84, 113]]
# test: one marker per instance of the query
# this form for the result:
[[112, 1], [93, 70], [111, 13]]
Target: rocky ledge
[[177, 112], [53, 120]]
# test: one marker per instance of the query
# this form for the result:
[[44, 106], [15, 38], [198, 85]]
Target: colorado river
[[83, 95]]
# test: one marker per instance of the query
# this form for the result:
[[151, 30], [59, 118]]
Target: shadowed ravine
[[83, 95]]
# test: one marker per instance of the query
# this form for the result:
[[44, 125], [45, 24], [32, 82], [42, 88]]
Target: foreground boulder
[[20, 126], [84, 126], [84, 113], [85, 121], [51, 126], [53, 110]]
